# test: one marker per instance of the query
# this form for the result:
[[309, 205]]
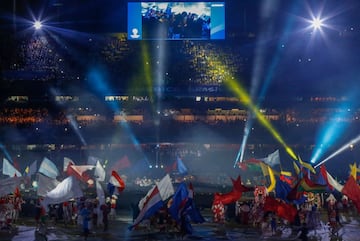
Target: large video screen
[[176, 20]]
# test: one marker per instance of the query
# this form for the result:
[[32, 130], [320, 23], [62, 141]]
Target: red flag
[[16, 164], [171, 168], [233, 195], [17, 192], [352, 190], [121, 164], [280, 208]]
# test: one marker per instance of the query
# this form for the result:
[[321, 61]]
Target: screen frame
[[135, 26]]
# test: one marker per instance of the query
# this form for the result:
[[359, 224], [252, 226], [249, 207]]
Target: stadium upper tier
[[125, 65]]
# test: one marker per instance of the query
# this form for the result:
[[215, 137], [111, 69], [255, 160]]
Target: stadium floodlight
[[316, 23], [37, 25]]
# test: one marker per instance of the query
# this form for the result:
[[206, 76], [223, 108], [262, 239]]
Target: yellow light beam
[[244, 97]]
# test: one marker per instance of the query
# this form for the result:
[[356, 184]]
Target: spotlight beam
[[267, 11], [331, 132], [240, 155], [340, 150], [240, 91]]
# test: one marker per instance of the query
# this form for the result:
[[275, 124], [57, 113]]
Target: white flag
[[100, 193], [272, 159], [67, 189], [165, 187], [99, 172], [45, 184]]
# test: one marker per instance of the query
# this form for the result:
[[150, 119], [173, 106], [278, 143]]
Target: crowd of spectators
[[40, 57], [13, 116], [168, 24]]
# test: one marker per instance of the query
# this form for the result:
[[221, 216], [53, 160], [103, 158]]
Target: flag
[[9, 184], [100, 193], [181, 166], [272, 180], [67, 189], [17, 192], [353, 170], [332, 182], [296, 195], [309, 186], [191, 209], [264, 169], [352, 191], [296, 168], [272, 159], [171, 168], [287, 178], [351, 188], [99, 172], [285, 173], [307, 165], [146, 197], [9, 170], [251, 165], [152, 204], [165, 187], [116, 181], [280, 208], [121, 164], [48, 168], [67, 161], [233, 195], [92, 160], [178, 202], [45, 184], [31, 170], [282, 190], [79, 171], [329, 180]]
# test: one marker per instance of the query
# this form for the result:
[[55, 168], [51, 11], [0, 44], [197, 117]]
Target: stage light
[[317, 23], [37, 25]]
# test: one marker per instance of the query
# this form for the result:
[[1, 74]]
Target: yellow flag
[[286, 173], [307, 165], [264, 169], [297, 169], [272, 180]]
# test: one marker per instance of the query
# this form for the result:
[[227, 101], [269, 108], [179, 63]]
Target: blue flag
[[179, 202], [181, 166]]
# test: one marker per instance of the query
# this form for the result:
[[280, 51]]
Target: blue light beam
[[340, 150], [331, 132]]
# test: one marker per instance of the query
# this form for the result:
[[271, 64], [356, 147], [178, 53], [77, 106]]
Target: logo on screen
[[135, 33]]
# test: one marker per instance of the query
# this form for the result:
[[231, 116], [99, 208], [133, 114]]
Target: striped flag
[[48, 168], [150, 207], [9, 170], [115, 181]]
